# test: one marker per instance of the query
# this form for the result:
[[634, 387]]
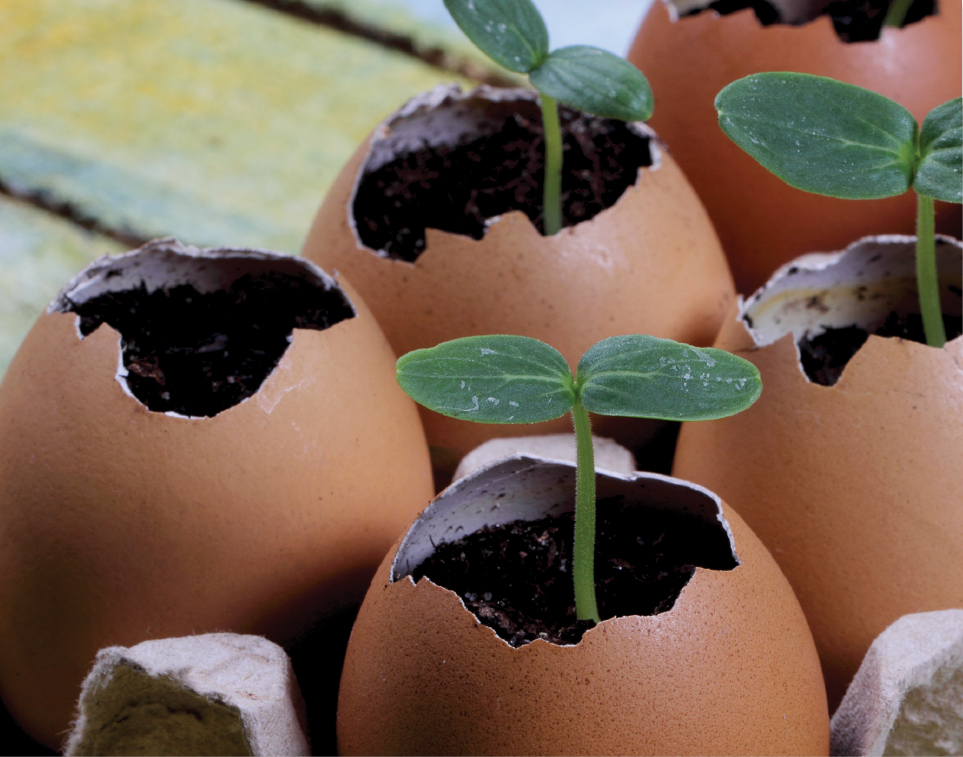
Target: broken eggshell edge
[[609, 455], [524, 487], [122, 524], [790, 12], [651, 264], [402, 132], [857, 286], [761, 221], [854, 488], [166, 268], [729, 669]]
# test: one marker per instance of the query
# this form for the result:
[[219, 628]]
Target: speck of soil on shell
[[517, 578], [824, 356], [458, 188], [197, 354], [853, 20]]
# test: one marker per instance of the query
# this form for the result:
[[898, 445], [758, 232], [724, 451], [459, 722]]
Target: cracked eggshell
[[730, 669], [651, 263], [120, 524], [761, 221], [855, 488]]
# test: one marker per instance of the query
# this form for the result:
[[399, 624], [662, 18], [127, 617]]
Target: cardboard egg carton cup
[[907, 697], [218, 693]]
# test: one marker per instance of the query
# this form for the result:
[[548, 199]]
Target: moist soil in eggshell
[[824, 356], [459, 188], [853, 20], [197, 354], [517, 578]]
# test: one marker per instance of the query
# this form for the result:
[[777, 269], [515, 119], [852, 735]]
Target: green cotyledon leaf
[[490, 379], [510, 32], [595, 81], [821, 135], [940, 173], [646, 377]]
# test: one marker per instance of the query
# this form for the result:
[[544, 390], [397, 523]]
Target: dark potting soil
[[456, 189], [517, 578], [198, 354], [825, 356], [854, 20]]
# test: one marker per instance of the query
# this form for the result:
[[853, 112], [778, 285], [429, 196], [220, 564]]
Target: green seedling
[[896, 14], [512, 33], [516, 379], [836, 139]]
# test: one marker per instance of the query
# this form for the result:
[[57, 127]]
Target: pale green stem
[[927, 279], [583, 557], [552, 197], [896, 15]]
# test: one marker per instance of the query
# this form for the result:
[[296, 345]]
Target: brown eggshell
[[120, 524], [855, 488], [730, 669], [761, 221], [651, 263]]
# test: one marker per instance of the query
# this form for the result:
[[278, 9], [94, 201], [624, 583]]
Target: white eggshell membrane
[[859, 286]]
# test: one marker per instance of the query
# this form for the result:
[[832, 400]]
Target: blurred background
[[221, 122]]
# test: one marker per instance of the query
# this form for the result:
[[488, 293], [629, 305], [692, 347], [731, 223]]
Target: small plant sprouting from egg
[[517, 379], [831, 138], [513, 34]]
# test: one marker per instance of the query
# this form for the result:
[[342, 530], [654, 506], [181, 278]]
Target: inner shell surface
[[502, 539], [517, 579], [853, 20], [493, 164], [833, 303], [196, 350]]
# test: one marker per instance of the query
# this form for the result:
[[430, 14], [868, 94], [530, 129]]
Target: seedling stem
[[832, 138], [896, 15], [552, 197], [927, 279], [513, 34], [583, 550]]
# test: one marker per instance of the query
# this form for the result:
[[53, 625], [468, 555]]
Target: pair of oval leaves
[[513, 34], [837, 139], [517, 379]]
